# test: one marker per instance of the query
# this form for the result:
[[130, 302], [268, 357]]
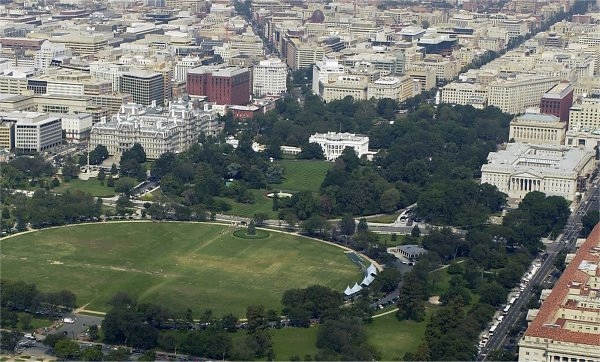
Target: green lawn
[[91, 186], [303, 175], [288, 342], [393, 338], [34, 323], [181, 265], [261, 204]]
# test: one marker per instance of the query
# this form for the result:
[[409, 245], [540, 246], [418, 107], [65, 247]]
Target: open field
[[303, 175], [393, 338], [181, 265], [288, 342], [261, 204], [92, 186]]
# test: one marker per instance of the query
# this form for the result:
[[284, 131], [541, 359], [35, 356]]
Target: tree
[[70, 170], [362, 225], [66, 349], [492, 294], [311, 151], [389, 200], [251, 228], [124, 185], [113, 169], [347, 225], [93, 353], [8, 318], [415, 232], [163, 165], [101, 174], [110, 182], [589, 220], [123, 205], [8, 340], [55, 182], [315, 225], [148, 356], [260, 218]]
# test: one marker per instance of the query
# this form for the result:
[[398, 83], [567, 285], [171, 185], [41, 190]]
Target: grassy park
[[300, 175], [181, 265], [91, 186]]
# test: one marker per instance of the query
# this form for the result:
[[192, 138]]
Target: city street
[[567, 240]]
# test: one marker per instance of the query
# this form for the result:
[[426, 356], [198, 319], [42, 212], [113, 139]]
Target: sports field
[[181, 265]]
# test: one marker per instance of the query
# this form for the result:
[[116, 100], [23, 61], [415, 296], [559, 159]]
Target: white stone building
[[34, 131], [269, 77], [158, 131], [182, 66], [322, 69], [553, 170], [513, 95], [333, 144], [474, 94], [585, 113], [48, 52], [341, 86], [77, 126], [397, 88], [537, 129]]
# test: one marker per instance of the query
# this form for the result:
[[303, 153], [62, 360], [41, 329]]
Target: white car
[[69, 320]]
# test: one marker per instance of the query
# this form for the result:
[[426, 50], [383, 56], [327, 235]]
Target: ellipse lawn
[[180, 265]]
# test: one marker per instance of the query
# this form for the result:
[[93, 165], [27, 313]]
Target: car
[[69, 320]]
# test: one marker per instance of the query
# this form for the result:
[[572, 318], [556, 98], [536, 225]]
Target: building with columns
[[552, 169], [538, 129]]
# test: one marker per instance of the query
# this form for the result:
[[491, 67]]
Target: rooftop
[[538, 117], [573, 286], [559, 91]]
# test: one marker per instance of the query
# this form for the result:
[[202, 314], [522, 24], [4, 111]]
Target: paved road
[[568, 240], [82, 323]]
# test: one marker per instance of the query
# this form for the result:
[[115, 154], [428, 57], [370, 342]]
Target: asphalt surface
[[567, 240]]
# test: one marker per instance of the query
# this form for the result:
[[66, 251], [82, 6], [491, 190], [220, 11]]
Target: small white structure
[[333, 144], [370, 274]]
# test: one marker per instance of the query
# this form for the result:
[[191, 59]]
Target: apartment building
[[333, 144], [552, 169], [221, 84], [396, 88], [174, 129], [146, 87], [34, 131], [513, 95], [538, 129], [474, 94], [567, 326], [586, 112], [269, 77]]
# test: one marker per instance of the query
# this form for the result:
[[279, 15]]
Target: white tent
[[368, 280], [371, 270], [348, 291], [356, 288]]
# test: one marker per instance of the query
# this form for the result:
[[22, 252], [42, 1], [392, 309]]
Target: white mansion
[[158, 130], [333, 144], [551, 169]]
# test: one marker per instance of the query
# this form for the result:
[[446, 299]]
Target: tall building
[[551, 169], [333, 144], [34, 131], [557, 101], [146, 88], [77, 126], [220, 84], [184, 65], [513, 95], [49, 52], [269, 77], [567, 326], [585, 113], [322, 69], [465, 93], [7, 135], [341, 86], [396, 88]]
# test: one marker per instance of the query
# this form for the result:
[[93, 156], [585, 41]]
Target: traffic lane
[[81, 324]]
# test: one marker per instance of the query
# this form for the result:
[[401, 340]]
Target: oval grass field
[[179, 265]]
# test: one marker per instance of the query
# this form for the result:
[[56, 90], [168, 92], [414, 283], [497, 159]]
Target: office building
[[76, 126], [341, 86], [34, 131], [474, 94], [557, 101], [513, 95], [551, 169], [184, 65], [333, 144], [221, 84], [269, 77], [7, 135], [146, 88], [567, 325], [585, 113], [158, 130], [396, 88], [537, 129], [322, 69]]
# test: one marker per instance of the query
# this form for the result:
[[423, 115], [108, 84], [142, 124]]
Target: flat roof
[[584, 265], [538, 117]]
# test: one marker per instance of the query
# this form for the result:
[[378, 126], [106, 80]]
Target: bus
[[493, 329], [506, 309], [512, 301]]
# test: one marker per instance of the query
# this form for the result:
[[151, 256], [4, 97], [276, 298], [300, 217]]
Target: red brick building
[[220, 84], [557, 101]]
